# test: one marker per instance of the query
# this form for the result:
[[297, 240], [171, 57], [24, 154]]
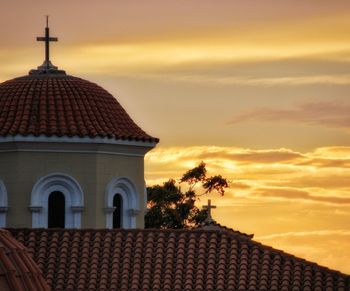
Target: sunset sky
[[259, 90]]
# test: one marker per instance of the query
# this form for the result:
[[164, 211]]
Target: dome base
[[47, 68]]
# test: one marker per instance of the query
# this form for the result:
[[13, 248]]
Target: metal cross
[[47, 40], [209, 207]]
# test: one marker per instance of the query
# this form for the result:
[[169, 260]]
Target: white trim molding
[[73, 194], [65, 144], [3, 204], [130, 202], [75, 139]]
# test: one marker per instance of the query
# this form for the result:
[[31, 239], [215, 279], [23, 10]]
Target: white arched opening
[[3, 204], [130, 206], [73, 194]]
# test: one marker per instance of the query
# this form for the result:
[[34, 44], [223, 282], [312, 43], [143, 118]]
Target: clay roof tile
[[165, 260], [62, 105], [19, 271]]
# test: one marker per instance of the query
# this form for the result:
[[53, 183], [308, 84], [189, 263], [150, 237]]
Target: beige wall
[[21, 170]]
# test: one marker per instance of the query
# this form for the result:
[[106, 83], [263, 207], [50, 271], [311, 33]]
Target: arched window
[[56, 209], [117, 213], [70, 202], [121, 194]]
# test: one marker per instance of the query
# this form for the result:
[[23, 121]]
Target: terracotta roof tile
[[18, 271], [61, 105], [170, 260]]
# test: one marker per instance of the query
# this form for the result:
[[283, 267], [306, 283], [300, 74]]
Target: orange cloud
[[306, 233], [239, 185], [326, 179], [261, 156], [226, 153], [271, 173], [293, 193], [332, 152], [328, 163]]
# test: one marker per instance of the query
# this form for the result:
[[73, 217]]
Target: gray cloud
[[329, 114]]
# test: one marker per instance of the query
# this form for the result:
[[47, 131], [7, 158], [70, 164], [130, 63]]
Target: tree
[[170, 207]]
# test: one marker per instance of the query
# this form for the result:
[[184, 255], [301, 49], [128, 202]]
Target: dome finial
[[47, 39], [47, 67]]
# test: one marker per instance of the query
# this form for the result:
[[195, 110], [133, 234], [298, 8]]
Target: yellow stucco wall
[[21, 170]]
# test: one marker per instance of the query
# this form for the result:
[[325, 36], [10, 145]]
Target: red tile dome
[[56, 104], [18, 271]]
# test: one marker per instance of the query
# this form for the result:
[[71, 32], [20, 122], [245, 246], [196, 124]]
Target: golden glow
[[242, 76], [149, 59], [286, 187]]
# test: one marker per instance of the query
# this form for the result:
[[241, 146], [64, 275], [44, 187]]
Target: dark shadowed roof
[[18, 271], [62, 105], [170, 260]]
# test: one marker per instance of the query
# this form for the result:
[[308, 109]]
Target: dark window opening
[[117, 213], [57, 204]]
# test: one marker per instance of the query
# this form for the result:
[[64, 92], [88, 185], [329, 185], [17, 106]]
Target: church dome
[[51, 103]]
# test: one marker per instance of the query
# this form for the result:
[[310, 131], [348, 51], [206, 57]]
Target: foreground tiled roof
[[169, 260], [18, 271], [62, 105]]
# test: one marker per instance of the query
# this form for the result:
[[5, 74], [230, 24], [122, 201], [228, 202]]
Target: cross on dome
[[47, 39], [209, 207]]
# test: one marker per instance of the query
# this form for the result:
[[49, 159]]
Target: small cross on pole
[[209, 207], [47, 64]]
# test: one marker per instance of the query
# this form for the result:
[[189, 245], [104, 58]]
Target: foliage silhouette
[[170, 207]]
